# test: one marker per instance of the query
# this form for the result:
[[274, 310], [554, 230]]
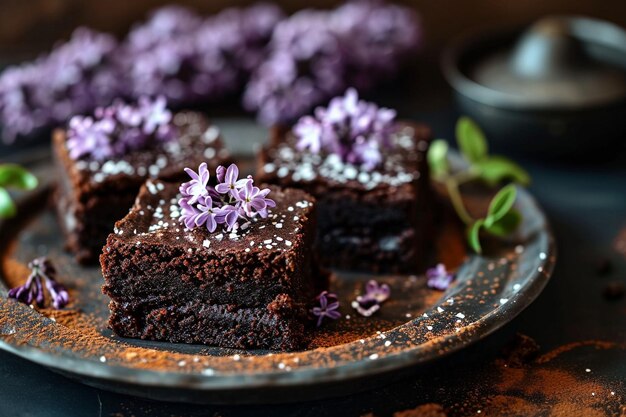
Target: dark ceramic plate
[[415, 326]]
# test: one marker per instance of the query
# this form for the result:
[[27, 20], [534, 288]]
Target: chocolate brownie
[[368, 220], [247, 288], [93, 195]]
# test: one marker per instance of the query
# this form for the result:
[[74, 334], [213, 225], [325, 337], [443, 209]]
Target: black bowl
[[541, 130]]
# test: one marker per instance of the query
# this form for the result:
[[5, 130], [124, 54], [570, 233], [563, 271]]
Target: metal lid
[[557, 63]]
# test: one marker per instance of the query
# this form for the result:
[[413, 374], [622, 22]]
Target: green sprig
[[15, 177], [502, 218]]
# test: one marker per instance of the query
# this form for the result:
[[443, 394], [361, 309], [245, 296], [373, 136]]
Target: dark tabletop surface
[[565, 355]]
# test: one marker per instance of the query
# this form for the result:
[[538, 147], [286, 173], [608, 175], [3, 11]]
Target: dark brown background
[[36, 24]]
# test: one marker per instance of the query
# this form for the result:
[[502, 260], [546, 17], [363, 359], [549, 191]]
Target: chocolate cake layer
[[278, 326]]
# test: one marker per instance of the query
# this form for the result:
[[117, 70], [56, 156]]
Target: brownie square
[[373, 221], [248, 288], [91, 196]]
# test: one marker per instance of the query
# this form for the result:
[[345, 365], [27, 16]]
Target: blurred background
[[36, 24]]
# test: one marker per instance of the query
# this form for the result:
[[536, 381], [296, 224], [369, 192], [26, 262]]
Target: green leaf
[[471, 140], [501, 204], [473, 235], [7, 207], [495, 169], [438, 158], [506, 224], [15, 176]]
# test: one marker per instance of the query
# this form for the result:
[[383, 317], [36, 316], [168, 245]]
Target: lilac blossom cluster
[[74, 78], [189, 59], [355, 130], [379, 39], [314, 55], [305, 67], [290, 64], [439, 278], [370, 302], [253, 27], [225, 204], [120, 128], [43, 274], [328, 307]]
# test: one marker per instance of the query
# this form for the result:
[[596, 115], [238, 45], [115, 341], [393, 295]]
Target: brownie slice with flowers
[[230, 265], [103, 159], [369, 175]]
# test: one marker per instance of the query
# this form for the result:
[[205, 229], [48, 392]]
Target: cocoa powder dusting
[[425, 410], [526, 386]]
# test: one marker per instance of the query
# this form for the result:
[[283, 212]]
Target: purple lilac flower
[[255, 25], [377, 38], [253, 200], [197, 187], [305, 67], [353, 129], [162, 24], [329, 307], [230, 183], [42, 273], [183, 57], [229, 215], [232, 199], [120, 128], [315, 54], [439, 278], [74, 78], [188, 213], [370, 302], [208, 214]]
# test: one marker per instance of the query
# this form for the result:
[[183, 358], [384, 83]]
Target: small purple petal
[[329, 307], [439, 278], [42, 275]]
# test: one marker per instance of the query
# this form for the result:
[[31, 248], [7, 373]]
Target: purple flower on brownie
[[439, 278], [230, 200], [329, 307], [355, 130], [42, 274], [120, 128], [370, 302]]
